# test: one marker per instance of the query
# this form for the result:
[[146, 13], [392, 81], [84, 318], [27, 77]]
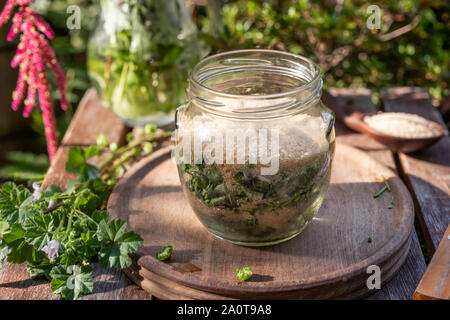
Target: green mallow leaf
[[16, 233], [4, 250], [4, 228], [71, 282], [111, 231], [99, 215], [87, 201], [76, 162], [11, 199], [41, 269], [80, 249], [165, 253], [27, 209], [117, 245], [52, 190], [89, 172], [38, 230], [72, 185], [244, 274], [23, 252], [91, 151]]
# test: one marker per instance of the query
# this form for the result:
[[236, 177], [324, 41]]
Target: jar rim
[[314, 69]]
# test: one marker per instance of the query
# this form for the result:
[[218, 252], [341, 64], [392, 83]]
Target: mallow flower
[[37, 194], [51, 249]]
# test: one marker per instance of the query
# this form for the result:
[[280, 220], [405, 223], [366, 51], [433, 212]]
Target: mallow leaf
[[11, 199], [14, 235], [41, 269], [99, 215], [21, 251], [3, 252], [52, 190], [76, 162], [72, 282], [25, 252], [27, 209], [117, 245], [4, 228], [87, 201], [38, 230]]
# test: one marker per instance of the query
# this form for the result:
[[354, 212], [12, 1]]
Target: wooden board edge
[[417, 100], [435, 283], [164, 288]]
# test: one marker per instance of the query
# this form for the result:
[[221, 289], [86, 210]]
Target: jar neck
[[255, 84]]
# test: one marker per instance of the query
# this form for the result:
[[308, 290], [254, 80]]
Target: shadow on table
[[22, 284]]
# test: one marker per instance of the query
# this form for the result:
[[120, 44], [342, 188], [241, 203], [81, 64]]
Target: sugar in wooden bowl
[[402, 125]]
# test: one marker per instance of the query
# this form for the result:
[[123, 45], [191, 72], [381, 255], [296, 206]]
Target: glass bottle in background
[[139, 57]]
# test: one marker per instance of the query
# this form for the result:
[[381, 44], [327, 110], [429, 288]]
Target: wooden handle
[[355, 121]]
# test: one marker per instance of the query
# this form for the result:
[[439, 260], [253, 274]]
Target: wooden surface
[[403, 284], [15, 282], [329, 259], [427, 172], [435, 283]]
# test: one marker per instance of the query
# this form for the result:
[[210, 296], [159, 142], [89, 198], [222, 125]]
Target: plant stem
[[376, 195], [69, 224], [85, 215], [53, 208], [103, 167]]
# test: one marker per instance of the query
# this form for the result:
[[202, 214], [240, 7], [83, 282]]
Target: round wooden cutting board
[[329, 259]]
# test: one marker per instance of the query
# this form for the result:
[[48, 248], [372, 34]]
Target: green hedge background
[[331, 32]]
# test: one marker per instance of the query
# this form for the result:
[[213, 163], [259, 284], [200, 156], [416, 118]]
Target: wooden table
[[426, 173]]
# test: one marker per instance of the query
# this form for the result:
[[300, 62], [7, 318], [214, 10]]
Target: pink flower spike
[[43, 26], [24, 2], [48, 117], [33, 56], [20, 87], [31, 96], [49, 58], [15, 28], [18, 58], [7, 10]]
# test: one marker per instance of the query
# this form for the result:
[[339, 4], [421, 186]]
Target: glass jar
[[139, 56], [254, 145]]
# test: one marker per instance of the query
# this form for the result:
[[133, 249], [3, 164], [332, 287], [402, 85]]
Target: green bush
[[331, 32], [335, 35]]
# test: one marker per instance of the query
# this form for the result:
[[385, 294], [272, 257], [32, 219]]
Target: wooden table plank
[[435, 283], [403, 284], [90, 120], [427, 172]]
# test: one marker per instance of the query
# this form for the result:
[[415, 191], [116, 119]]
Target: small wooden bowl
[[355, 121]]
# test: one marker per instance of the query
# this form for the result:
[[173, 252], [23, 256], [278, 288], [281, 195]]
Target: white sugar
[[402, 125]]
